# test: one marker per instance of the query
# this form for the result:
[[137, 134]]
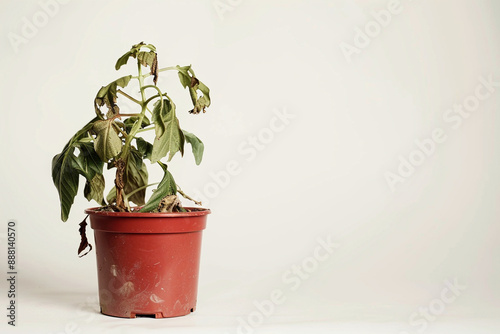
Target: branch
[[128, 96], [187, 196]]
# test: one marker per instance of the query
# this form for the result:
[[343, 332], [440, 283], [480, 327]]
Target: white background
[[323, 175]]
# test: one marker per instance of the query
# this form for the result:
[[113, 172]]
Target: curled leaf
[[169, 203], [202, 102], [84, 243], [107, 96], [188, 80], [132, 53]]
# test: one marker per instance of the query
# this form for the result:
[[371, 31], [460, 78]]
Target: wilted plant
[[113, 138]]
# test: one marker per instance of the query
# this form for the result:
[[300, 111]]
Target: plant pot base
[[157, 315]]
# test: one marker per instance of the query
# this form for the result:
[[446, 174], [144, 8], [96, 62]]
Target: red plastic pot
[[148, 263]]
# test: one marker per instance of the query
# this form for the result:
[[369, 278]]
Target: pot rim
[[196, 212]]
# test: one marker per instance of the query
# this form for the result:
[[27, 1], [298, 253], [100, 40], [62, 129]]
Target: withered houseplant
[[147, 249]]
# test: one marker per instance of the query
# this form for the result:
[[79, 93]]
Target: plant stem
[[119, 183], [127, 115], [128, 96], [143, 88], [152, 98], [170, 68], [124, 115], [121, 199], [138, 189], [125, 135], [145, 129], [138, 123]]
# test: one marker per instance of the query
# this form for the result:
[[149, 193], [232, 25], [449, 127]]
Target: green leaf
[[88, 162], [144, 147], [64, 173], [65, 179], [90, 166], [107, 143], [136, 176], [196, 145], [166, 187], [170, 141], [107, 95], [94, 189], [161, 115], [122, 60]]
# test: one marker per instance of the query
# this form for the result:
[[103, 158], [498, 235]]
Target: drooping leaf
[[184, 76], [64, 173], [193, 86], [196, 145], [187, 79], [122, 60], [94, 189], [88, 162], [136, 176], [84, 242], [65, 179], [149, 59], [202, 102], [166, 187], [107, 96], [146, 58], [107, 143], [89, 165], [161, 115], [144, 147], [170, 141], [154, 69]]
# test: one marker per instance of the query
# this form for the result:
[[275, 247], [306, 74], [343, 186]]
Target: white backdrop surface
[[366, 187]]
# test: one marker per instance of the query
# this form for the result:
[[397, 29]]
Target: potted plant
[[147, 253]]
